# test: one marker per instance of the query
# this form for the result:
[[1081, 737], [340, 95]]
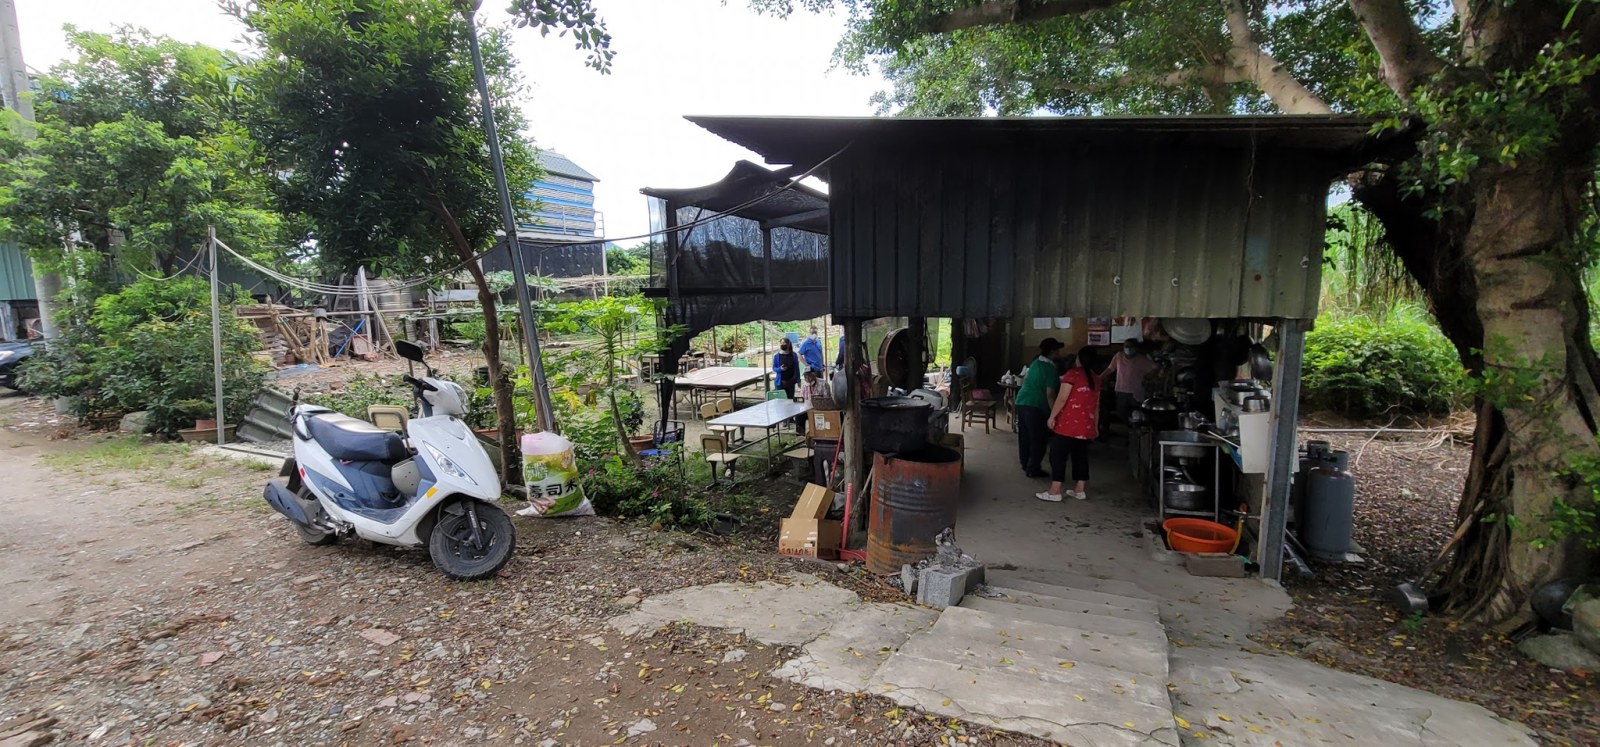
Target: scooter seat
[[352, 440]]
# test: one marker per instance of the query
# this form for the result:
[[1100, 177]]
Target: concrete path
[[1080, 667], [1238, 698], [1087, 666]]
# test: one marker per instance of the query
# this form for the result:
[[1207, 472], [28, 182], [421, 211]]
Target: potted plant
[[202, 412]]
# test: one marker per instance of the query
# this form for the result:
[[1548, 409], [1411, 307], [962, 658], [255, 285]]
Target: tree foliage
[[370, 111], [135, 153]]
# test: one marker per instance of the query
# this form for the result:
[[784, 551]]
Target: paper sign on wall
[[1063, 322], [1041, 322]]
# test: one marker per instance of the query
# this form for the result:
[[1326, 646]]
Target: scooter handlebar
[[418, 383]]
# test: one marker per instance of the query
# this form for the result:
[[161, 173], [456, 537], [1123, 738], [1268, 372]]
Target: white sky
[[674, 57]]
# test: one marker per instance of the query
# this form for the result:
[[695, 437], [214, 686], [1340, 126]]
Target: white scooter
[[349, 478]]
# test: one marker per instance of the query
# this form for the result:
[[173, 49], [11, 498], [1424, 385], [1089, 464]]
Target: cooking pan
[[1260, 363], [1184, 496]]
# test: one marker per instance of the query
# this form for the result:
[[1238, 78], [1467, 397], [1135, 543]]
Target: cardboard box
[[812, 538], [814, 503], [825, 424]]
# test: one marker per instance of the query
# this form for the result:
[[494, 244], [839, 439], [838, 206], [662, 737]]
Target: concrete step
[[962, 629], [846, 656], [1086, 622], [1080, 712], [1077, 600], [1058, 581]]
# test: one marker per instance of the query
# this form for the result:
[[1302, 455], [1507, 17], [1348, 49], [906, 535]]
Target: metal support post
[[530, 323], [1281, 463], [216, 332]]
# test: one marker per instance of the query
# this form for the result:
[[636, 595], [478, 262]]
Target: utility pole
[[519, 270], [15, 87]]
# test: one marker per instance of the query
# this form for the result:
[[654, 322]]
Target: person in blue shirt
[[787, 366], [811, 351]]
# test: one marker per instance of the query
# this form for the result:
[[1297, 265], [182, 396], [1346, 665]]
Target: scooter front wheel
[[465, 557]]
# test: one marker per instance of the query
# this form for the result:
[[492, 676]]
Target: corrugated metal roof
[[1025, 230], [560, 165], [16, 273], [808, 139]]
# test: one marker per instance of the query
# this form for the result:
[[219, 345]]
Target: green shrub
[[1361, 367], [655, 492], [149, 347], [362, 391]]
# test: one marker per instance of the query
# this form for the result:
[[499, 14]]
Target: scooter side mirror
[[408, 350]]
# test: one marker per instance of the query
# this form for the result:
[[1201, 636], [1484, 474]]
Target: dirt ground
[[1406, 494], [150, 598]]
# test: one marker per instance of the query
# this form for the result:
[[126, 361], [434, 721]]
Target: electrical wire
[[350, 291]]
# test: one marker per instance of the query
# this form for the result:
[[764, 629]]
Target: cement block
[[941, 587], [908, 579], [1214, 564]]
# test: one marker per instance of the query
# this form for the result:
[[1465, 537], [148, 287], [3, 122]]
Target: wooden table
[[719, 378], [767, 416]]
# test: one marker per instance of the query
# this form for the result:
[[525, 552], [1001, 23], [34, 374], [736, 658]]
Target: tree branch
[[1407, 60], [1267, 73], [1211, 75], [1003, 12]]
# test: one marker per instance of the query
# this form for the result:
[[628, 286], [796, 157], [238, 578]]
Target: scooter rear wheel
[[452, 548], [309, 535]]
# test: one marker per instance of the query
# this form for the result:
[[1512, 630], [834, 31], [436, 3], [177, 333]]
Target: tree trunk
[[1506, 290], [504, 407]]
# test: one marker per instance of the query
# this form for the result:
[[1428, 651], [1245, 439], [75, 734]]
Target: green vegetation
[[653, 492], [148, 347], [136, 151], [1362, 366], [123, 454]]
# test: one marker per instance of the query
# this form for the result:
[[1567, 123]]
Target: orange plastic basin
[[1198, 535]]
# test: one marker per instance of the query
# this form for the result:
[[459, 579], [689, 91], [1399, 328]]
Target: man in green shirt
[[1039, 384]]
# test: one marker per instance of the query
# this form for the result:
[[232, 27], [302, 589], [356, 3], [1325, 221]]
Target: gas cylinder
[[1328, 516], [1310, 455]]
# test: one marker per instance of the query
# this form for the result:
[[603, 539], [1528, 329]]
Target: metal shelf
[[1216, 480]]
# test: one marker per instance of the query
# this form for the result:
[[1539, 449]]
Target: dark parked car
[[12, 354]]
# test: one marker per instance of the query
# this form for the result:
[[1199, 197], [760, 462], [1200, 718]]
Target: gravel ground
[[251, 637], [1406, 495]]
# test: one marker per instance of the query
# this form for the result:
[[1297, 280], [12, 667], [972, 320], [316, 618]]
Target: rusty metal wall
[[1029, 229]]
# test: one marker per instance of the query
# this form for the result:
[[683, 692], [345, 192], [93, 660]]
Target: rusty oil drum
[[914, 497]]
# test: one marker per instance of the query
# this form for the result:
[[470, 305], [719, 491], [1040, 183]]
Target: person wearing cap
[[1034, 398]]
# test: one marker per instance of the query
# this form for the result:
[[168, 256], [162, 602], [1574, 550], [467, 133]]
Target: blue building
[[565, 199]]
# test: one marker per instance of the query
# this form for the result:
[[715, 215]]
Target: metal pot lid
[[1188, 330]]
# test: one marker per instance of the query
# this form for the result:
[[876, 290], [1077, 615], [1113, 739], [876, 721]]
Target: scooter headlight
[[447, 466]]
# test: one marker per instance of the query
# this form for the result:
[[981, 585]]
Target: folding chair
[[716, 453]]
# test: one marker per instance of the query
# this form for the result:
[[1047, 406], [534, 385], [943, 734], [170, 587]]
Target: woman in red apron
[[1074, 423]]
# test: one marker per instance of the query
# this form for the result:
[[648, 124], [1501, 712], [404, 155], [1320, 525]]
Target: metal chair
[[666, 434], [715, 451]]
